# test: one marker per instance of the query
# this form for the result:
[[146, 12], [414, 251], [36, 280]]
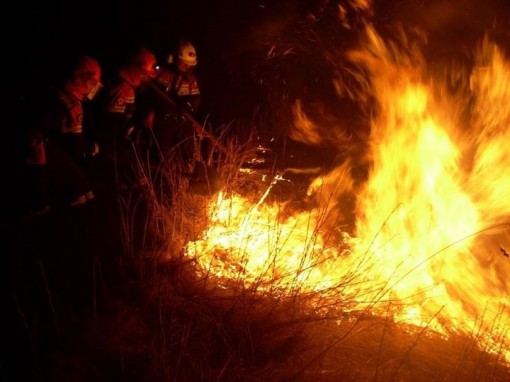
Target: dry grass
[[170, 324], [185, 327]]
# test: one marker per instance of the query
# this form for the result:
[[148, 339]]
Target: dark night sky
[[45, 31], [35, 31]]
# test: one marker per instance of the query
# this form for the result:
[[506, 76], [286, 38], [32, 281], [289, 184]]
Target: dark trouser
[[175, 139], [62, 180], [58, 183]]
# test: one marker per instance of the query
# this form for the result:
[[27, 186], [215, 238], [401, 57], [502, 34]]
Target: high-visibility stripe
[[181, 85], [120, 104]]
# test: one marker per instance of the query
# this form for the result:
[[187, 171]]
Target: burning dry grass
[[189, 329], [187, 322], [178, 321], [243, 287]]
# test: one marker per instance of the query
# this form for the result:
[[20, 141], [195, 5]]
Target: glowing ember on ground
[[431, 220]]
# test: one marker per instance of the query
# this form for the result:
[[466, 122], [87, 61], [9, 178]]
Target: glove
[[88, 150], [94, 150], [148, 123], [130, 133], [190, 108]]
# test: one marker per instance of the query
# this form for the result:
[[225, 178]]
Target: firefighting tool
[[203, 179], [197, 127]]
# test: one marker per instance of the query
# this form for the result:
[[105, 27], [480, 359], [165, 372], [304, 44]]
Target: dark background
[[232, 38], [39, 36]]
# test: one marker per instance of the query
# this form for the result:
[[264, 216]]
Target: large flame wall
[[431, 219]]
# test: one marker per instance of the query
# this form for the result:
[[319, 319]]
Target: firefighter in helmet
[[177, 79], [59, 154], [58, 144], [121, 96], [120, 115]]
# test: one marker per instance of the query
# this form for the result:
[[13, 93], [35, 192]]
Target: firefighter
[[120, 118], [120, 179], [61, 246], [58, 146], [178, 79], [173, 129]]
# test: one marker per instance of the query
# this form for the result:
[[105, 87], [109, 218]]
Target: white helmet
[[187, 53]]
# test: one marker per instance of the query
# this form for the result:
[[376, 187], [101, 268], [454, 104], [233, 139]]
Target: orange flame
[[431, 220]]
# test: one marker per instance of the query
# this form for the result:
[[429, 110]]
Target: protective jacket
[[183, 88], [58, 144]]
